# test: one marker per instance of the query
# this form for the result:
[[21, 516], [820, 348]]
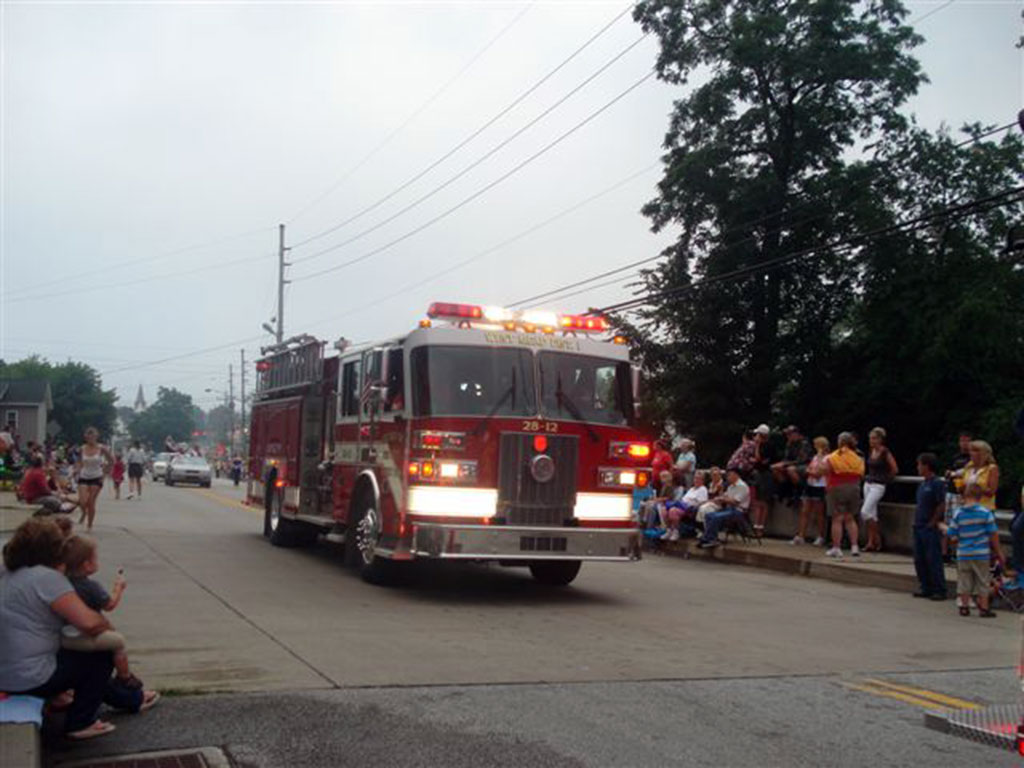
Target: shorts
[[134, 471], [843, 500], [104, 641], [814, 492], [972, 577], [97, 481], [764, 484]]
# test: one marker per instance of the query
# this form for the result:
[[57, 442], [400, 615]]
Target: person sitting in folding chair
[[734, 505]]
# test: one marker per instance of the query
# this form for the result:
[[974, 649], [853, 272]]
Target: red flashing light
[[431, 441], [584, 323], [427, 469], [642, 479], [262, 365], [279, 484], [414, 468], [462, 311], [540, 443]]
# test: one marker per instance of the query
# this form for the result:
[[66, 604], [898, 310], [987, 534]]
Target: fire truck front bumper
[[499, 542]]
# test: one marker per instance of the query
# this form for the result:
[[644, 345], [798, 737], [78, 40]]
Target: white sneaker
[[674, 536], [798, 540], [855, 550], [665, 536], [819, 542], [835, 552]]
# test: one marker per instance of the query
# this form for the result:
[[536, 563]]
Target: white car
[[189, 469], [160, 462]]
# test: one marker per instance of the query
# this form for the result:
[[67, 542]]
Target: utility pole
[[281, 264], [231, 407], [241, 409]]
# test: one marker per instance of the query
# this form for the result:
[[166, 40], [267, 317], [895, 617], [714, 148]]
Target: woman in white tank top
[[94, 463]]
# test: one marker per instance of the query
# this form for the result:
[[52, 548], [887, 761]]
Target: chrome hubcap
[[275, 513], [367, 534]]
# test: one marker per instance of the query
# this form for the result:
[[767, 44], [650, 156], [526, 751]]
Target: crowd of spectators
[[837, 491]]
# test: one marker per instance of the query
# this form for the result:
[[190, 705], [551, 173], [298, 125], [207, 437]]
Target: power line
[[140, 280], [920, 222], [753, 222], [146, 259], [486, 188], [490, 153], [494, 248], [931, 13], [194, 353], [416, 113], [501, 113]]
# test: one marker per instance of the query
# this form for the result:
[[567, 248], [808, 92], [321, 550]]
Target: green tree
[[219, 421], [758, 165], [171, 415], [79, 400]]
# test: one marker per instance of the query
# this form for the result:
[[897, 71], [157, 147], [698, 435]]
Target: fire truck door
[[370, 405], [310, 452]]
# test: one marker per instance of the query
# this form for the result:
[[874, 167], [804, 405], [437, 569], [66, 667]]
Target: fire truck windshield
[[583, 388], [473, 381]]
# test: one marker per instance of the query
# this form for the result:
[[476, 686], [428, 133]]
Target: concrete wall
[[895, 521]]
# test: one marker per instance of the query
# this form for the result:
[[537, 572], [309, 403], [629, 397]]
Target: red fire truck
[[484, 434]]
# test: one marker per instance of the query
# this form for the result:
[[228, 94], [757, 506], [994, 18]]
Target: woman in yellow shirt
[[983, 470]]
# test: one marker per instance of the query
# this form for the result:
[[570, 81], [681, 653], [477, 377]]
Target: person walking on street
[[94, 463], [136, 463], [881, 469], [928, 514], [844, 469]]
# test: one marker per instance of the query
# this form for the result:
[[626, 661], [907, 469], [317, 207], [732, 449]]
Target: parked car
[[189, 469], [160, 462]]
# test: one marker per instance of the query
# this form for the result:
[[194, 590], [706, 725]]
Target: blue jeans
[[1017, 537], [714, 521], [88, 675], [928, 561]]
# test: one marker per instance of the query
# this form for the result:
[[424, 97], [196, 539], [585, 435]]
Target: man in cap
[[791, 472]]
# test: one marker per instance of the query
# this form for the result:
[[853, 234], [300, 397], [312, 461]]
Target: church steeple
[[140, 400]]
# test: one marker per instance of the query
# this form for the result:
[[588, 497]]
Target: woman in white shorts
[[881, 469]]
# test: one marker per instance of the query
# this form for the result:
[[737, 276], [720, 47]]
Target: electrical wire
[[982, 205], [490, 153], [486, 188], [500, 114], [409, 120], [931, 13]]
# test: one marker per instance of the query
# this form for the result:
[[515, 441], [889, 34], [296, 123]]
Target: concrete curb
[[756, 557], [19, 745]]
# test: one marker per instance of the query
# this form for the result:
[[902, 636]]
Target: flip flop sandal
[[149, 700], [98, 728]]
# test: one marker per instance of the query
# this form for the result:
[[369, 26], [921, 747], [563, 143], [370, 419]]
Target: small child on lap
[[81, 561]]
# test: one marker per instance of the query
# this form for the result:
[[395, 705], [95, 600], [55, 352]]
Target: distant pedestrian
[[977, 536], [881, 469], [844, 469], [928, 514], [94, 463], [136, 464], [117, 475]]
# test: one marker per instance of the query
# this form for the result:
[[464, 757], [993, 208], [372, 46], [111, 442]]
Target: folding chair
[[741, 525]]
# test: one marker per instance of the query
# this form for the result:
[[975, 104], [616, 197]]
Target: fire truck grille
[[524, 501]]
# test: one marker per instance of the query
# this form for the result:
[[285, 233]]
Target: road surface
[[284, 658]]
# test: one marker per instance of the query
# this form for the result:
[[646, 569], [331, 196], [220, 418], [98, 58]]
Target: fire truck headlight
[[603, 506], [443, 501]]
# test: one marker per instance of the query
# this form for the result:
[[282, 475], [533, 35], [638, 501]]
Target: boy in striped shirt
[[974, 529]]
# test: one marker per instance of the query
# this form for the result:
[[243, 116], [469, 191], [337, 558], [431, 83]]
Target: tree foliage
[[172, 414], [79, 400], [789, 138]]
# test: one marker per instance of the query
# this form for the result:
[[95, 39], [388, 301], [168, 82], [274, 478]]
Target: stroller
[[1001, 594]]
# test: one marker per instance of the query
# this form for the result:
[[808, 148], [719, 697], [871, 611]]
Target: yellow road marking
[[948, 701], [227, 501], [904, 697]]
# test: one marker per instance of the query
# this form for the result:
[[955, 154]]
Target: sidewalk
[[884, 570]]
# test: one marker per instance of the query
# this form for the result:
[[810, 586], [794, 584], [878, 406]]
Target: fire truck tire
[[281, 531], [555, 573], [360, 541]]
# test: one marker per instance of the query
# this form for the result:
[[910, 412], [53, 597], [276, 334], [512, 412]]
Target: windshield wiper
[[510, 392], [574, 411]]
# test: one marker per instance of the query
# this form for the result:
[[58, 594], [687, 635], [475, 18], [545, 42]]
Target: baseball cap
[[791, 428], [763, 429]]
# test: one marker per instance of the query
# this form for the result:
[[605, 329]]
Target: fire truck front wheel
[[361, 542], [555, 573]]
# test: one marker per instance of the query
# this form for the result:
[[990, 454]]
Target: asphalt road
[[665, 662]]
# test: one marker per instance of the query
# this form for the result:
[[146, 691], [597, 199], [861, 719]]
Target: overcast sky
[[150, 151]]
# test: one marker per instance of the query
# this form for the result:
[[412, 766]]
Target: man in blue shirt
[[930, 511]]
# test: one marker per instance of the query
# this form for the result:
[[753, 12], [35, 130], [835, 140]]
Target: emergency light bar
[[529, 320]]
